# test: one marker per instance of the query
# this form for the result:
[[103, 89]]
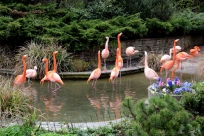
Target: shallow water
[[77, 99]]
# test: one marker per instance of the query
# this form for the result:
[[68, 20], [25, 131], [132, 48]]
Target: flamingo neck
[[24, 68], [46, 68], [119, 46], [106, 46], [146, 63], [99, 60], [170, 53], [174, 52], [55, 63]]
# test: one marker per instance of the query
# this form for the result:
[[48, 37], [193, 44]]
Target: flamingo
[[96, 73], [54, 67], [105, 53], [149, 73], [52, 76], [129, 52], [115, 71], [180, 57], [170, 63], [31, 73], [167, 57], [21, 79], [195, 51]]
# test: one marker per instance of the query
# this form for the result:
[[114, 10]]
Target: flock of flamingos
[[167, 64]]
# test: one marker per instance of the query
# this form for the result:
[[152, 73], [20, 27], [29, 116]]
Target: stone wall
[[157, 45]]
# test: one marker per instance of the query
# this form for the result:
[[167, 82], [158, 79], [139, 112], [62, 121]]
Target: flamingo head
[[178, 48], [107, 37], [120, 34], [176, 40], [197, 48], [35, 68], [44, 60], [55, 52], [145, 53], [24, 56]]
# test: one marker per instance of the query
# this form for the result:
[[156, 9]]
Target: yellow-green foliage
[[79, 65], [15, 102]]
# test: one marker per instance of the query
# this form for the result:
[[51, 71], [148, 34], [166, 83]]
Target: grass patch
[[16, 104]]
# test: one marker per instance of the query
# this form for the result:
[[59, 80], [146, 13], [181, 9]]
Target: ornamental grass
[[16, 103], [36, 52]]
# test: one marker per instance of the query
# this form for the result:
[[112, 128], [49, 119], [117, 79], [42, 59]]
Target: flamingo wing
[[105, 53], [151, 74], [165, 58]]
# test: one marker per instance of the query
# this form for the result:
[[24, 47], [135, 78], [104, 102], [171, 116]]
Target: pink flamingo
[[170, 63], [54, 67], [96, 73], [180, 57], [149, 73], [105, 53], [195, 52], [21, 79], [115, 71], [31, 73], [52, 76], [129, 52]]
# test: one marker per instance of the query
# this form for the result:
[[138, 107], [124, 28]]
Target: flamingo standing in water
[[105, 53], [52, 76], [31, 73], [170, 63], [129, 52], [115, 71], [21, 79], [180, 57], [149, 73], [96, 73], [54, 67]]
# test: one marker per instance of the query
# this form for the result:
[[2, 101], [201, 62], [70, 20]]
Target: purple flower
[[178, 91], [159, 80], [170, 83]]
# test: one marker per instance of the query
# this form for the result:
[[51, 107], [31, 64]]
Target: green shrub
[[194, 102], [161, 116], [79, 65]]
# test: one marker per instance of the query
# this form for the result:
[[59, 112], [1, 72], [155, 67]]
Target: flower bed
[[173, 87]]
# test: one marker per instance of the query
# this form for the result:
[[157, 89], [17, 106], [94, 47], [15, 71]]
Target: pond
[[77, 99]]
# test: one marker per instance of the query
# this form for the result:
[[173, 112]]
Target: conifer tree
[[163, 116]]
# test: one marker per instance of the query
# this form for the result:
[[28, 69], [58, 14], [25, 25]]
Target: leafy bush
[[194, 102], [79, 65], [187, 22], [161, 116]]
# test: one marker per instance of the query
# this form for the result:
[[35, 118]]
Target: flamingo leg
[[130, 63], [105, 65], [127, 63], [166, 74]]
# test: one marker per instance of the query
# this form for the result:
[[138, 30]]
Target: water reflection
[[78, 99], [52, 104]]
